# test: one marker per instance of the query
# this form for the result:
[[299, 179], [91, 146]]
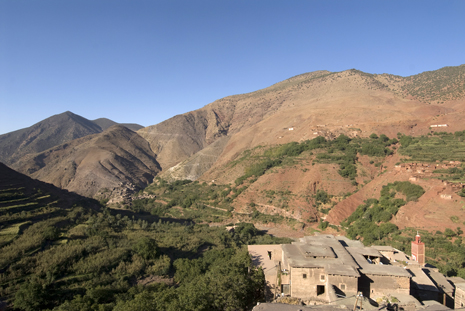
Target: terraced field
[[20, 207], [438, 147]]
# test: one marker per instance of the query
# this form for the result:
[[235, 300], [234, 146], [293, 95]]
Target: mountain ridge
[[115, 160], [52, 131], [330, 99], [200, 143]]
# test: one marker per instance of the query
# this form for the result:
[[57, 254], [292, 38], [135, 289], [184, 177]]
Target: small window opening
[[269, 254], [304, 276], [322, 277], [320, 290], [343, 287]]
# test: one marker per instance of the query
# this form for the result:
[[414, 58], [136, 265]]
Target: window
[[342, 286], [304, 276], [322, 277]]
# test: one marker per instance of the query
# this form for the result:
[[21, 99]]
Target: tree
[[322, 196], [146, 247], [51, 233], [449, 233], [30, 296], [383, 138]]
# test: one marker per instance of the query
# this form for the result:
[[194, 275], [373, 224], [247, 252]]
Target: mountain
[[314, 104], [109, 163], [50, 132], [43, 135], [228, 141], [216, 141], [105, 123]]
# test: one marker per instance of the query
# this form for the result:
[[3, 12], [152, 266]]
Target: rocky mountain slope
[[105, 123], [320, 104], [209, 144], [44, 135], [110, 163], [314, 104], [50, 132]]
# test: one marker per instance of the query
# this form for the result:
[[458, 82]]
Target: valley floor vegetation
[[84, 258]]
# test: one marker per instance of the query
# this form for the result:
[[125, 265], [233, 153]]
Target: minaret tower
[[418, 250]]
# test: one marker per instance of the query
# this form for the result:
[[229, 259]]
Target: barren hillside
[[303, 107], [108, 162]]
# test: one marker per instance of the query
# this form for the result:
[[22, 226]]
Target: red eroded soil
[[302, 180], [435, 210], [440, 207]]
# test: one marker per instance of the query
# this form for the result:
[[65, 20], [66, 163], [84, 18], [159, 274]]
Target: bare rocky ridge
[[105, 123], [107, 162], [201, 144], [176, 139], [53, 131], [44, 135], [305, 106]]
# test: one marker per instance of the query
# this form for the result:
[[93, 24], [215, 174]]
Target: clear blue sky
[[144, 61]]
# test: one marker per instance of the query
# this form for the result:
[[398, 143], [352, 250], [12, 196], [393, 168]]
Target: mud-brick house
[[323, 268], [377, 278], [459, 295], [318, 269], [268, 257], [445, 288], [377, 275]]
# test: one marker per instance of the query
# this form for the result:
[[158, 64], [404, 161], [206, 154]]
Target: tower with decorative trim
[[418, 250]]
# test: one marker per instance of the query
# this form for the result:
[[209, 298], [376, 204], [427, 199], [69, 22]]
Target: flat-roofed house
[[377, 278], [319, 268]]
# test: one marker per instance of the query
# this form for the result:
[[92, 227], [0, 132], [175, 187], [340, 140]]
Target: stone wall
[[459, 296], [307, 283], [345, 285], [379, 285]]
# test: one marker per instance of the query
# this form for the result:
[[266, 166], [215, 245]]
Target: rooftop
[[439, 280], [421, 280], [375, 269], [322, 251], [260, 257]]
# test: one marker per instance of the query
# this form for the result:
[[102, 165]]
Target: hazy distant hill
[[105, 123], [43, 135], [50, 132], [115, 159]]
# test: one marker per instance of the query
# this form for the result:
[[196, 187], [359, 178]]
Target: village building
[[445, 287], [319, 268], [459, 295], [327, 269]]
